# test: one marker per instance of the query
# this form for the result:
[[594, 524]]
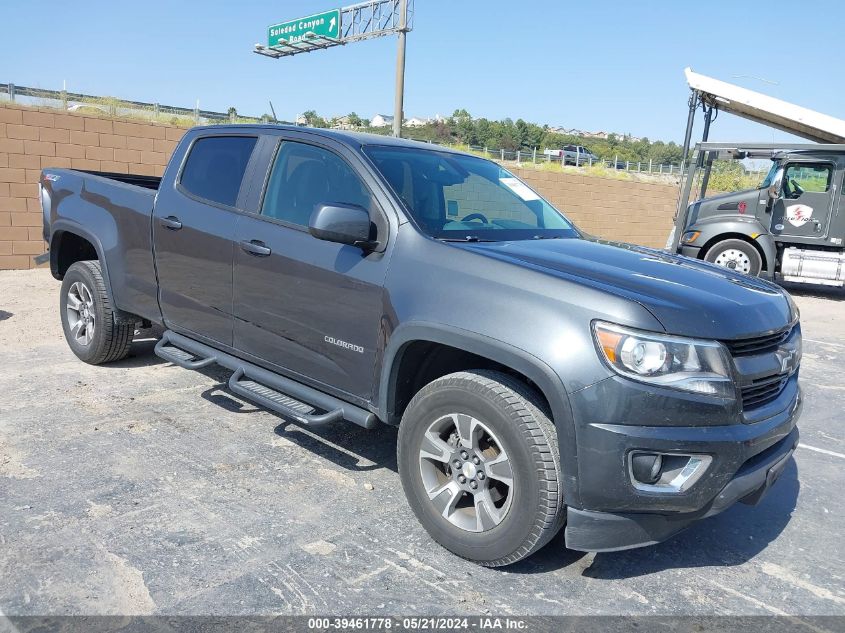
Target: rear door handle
[[171, 222], [255, 247]]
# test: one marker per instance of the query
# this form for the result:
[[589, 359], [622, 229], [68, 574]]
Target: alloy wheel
[[80, 313], [466, 472]]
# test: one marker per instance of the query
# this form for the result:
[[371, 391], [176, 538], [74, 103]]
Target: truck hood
[[725, 204], [688, 297]]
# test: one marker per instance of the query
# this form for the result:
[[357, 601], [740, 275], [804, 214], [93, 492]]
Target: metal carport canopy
[[761, 108]]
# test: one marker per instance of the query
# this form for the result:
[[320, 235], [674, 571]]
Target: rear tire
[[736, 255], [88, 316], [503, 501]]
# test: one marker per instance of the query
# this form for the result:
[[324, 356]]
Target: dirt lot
[[142, 488]]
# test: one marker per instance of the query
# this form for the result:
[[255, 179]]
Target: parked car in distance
[[539, 378], [578, 155]]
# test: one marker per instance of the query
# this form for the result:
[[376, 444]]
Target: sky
[[614, 65]]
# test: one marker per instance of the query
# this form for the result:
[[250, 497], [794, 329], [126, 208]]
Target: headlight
[[668, 361], [690, 236]]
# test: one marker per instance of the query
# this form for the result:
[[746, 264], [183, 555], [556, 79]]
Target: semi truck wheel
[[737, 255], [479, 463], [87, 321]]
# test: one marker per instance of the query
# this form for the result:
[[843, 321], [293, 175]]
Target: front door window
[[804, 205]]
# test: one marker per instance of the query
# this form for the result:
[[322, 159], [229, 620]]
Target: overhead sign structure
[[337, 27], [318, 26]]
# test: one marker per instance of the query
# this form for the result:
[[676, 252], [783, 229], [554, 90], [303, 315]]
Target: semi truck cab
[[791, 226]]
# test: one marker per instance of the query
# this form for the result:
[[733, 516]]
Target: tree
[[463, 127], [355, 120], [312, 119], [523, 135]]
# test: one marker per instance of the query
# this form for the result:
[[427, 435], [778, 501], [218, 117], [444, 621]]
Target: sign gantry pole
[[400, 71]]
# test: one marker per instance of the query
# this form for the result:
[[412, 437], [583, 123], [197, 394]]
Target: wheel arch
[[498, 355], [763, 243], [68, 245]]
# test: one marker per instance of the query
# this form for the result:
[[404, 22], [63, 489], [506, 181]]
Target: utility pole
[[400, 71]]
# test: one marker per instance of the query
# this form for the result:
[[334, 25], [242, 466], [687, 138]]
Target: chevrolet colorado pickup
[[539, 377]]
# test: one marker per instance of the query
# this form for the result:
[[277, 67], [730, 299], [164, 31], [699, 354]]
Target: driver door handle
[[171, 222], [255, 247]]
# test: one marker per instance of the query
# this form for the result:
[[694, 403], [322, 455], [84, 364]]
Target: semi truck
[[791, 227]]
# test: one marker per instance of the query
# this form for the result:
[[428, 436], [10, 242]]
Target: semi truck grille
[[757, 344], [763, 390]]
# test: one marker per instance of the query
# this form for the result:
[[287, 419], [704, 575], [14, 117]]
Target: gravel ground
[[140, 488]]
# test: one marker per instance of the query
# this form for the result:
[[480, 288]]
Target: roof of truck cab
[[767, 110], [356, 139]]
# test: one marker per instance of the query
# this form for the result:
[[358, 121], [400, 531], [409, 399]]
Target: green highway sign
[[326, 24]]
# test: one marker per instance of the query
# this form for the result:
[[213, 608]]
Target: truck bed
[[147, 182], [114, 213]]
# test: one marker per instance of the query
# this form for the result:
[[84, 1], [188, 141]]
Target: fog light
[[666, 472], [646, 467]]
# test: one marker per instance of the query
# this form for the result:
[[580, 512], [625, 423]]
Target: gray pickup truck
[[538, 377]]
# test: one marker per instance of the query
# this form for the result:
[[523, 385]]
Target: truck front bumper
[[689, 251], [611, 512], [593, 531]]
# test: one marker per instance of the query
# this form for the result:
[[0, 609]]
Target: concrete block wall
[[34, 138], [475, 190], [624, 210]]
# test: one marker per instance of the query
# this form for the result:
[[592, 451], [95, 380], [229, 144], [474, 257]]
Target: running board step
[[279, 402], [273, 391], [180, 357]]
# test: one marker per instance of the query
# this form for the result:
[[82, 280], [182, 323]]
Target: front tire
[[736, 255], [479, 463], [88, 316]]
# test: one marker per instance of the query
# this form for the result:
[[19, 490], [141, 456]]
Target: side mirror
[[775, 187], [342, 223]]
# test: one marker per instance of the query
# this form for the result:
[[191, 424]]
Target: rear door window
[[215, 167]]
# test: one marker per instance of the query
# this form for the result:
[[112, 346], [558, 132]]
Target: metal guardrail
[[62, 99], [538, 158]]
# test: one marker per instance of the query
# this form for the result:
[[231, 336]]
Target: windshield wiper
[[546, 237]]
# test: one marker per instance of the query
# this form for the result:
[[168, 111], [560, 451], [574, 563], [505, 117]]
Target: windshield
[[453, 196], [767, 181]]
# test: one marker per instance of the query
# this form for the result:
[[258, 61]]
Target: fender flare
[[541, 374], [62, 226]]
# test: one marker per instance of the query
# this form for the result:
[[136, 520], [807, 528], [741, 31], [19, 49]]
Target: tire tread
[[116, 338], [520, 402]]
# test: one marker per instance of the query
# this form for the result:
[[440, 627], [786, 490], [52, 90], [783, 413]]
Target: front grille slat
[[746, 346], [762, 390]]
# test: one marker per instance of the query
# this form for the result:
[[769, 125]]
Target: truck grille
[[763, 390], [757, 344]]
